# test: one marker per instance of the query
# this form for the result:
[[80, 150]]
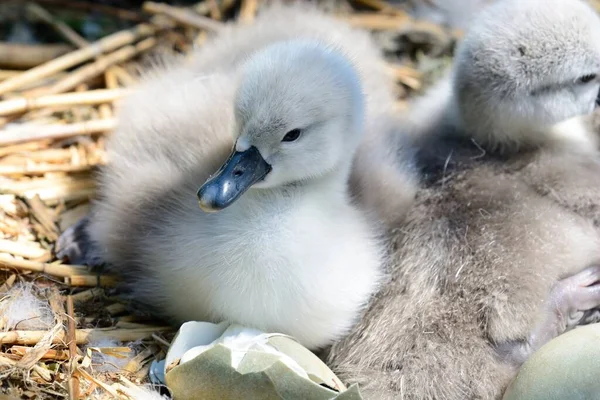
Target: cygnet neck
[[506, 138]]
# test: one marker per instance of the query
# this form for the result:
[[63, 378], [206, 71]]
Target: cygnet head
[[525, 65], [299, 111]]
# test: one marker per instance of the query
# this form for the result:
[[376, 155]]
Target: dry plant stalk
[[73, 383], [60, 27], [90, 280], [23, 56], [99, 66], [6, 73], [58, 270], [52, 354], [183, 16], [22, 248], [42, 169], [377, 21], [82, 336], [117, 308], [24, 104], [30, 133], [406, 75], [248, 11], [106, 44], [381, 5]]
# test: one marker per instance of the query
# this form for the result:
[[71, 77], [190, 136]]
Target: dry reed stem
[[76, 57], [42, 169], [87, 294], [58, 270], [406, 75], [183, 16], [21, 248], [123, 76], [215, 12], [136, 363], [90, 280], [7, 73], [100, 65], [37, 145], [28, 133], [98, 382], [61, 191], [82, 336], [73, 383], [60, 27], [40, 213], [248, 11], [23, 56], [80, 5], [377, 21], [381, 5], [8, 283], [115, 309], [52, 354], [24, 104]]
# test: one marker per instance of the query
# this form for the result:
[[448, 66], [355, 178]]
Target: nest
[[61, 334]]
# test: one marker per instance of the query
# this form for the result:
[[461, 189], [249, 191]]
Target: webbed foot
[[573, 301], [74, 245]]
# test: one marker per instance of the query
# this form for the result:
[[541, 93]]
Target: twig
[[7, 73], [43, 169], [381, 5], [44, 220], [29, 133], [56, 355], [406, 75], [99, 66], [58, 270], [76, 57], [115, 309], [73, 384], [23, 56], [215, 12], [23, 249], [123, 76], [183, 16], [87, 294], [90, 280], [60, 27], [82, 336], [23, 104], [101, 8], [51, 189], [248, 11], [377, 21], [30, 146]]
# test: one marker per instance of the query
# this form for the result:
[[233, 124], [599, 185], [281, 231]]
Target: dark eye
[[292, 135], [587, 78]]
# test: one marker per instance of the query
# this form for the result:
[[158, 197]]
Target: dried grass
[[53, 120]]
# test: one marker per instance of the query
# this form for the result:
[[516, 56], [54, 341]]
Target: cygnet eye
[[292, 135], [587, 78]]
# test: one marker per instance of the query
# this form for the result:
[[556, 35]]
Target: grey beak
[[241, 170]]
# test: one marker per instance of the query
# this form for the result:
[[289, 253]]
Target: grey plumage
[[508, 210], [292, 254]]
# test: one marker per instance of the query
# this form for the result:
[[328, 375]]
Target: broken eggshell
[[222, 361]]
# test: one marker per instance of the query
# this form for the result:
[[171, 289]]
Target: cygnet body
[[278, 245], [500, 252]]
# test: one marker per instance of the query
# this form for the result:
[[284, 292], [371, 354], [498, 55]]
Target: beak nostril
[[238, 172]]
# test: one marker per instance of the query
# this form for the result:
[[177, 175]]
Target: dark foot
[[573, 301], [75, 246]]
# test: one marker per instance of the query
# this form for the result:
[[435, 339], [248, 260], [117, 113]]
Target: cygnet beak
[[241, 170]]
